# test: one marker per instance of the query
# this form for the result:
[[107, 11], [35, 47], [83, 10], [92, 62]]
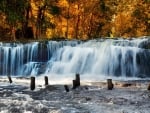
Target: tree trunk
[[40, 20], [67, 27], [90, 26], [25, 24], [13, 30], [77, 25]]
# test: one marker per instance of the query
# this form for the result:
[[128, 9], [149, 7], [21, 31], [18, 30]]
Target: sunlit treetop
[[81, 19]]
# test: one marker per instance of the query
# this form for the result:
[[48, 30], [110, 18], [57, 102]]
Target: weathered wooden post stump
[[78, 79], [9, 78], [32, 84], [110, 85], [46, 80], [76, 82], [66, 88], [148, 88]]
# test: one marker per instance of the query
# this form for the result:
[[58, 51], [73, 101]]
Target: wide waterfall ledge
[[93, 59]]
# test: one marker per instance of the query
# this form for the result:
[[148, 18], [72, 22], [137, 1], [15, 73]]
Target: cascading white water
[[120, 57], [107, 57]]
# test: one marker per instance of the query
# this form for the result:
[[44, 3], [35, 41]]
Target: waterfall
[[108, 57]]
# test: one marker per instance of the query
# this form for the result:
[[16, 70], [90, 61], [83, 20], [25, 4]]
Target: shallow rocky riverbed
[[126, 97]]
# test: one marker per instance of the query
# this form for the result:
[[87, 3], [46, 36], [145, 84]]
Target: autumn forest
[[73, 19]]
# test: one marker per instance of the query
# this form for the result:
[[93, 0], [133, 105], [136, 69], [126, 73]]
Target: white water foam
[[98, 58]]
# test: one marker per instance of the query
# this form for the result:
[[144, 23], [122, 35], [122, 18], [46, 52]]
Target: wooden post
[[9, 78], [110, 84], [46, 80], [74, 84], [78, 79], [148, 88], [32, 84], [66, 88]]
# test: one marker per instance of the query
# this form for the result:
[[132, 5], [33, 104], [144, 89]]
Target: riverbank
[[92, 97]]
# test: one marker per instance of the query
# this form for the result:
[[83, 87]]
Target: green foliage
[[14, 10]]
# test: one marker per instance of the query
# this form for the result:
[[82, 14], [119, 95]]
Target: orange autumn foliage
[[81, 19]]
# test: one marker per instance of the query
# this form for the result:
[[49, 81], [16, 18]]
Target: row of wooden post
[[76, 83], [32, 84]]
